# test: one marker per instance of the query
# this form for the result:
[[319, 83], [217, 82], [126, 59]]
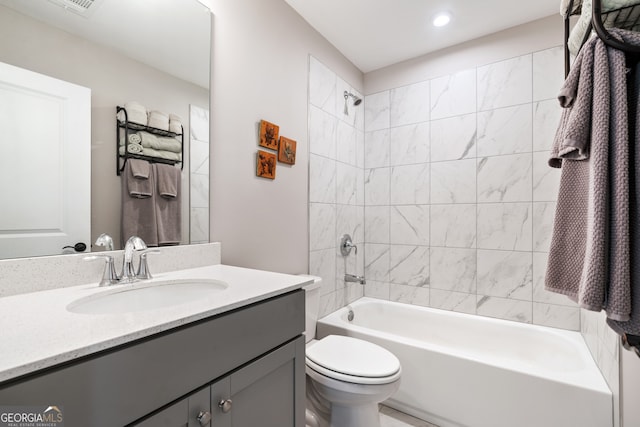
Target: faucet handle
[[143, 267], [109, 276], [346, 244]]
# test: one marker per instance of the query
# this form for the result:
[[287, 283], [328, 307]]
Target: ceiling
[[156, 35], [373, 34]]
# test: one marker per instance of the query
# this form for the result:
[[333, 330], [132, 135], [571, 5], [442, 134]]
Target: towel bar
[[626, 17], [631, 343], [122, 131]]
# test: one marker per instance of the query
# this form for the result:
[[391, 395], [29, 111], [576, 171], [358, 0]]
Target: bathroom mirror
[[155, 53]]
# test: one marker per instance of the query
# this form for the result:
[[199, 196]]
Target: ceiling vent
[[84, 8]]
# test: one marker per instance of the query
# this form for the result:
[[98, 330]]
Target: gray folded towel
[[168, 181], [140, 169], [168, 206], [137, 175], [138, 217]]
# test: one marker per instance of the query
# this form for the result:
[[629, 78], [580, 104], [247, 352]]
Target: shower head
[[356, 101]]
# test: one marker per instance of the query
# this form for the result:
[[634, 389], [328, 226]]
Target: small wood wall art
[[266, 167], [269, 135], [287, 151]]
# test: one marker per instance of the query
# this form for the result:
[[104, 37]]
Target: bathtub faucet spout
[[355, 279]]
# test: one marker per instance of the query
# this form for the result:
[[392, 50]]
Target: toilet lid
[[352, 357]]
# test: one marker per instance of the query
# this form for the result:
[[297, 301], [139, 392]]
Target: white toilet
[[346, 377]]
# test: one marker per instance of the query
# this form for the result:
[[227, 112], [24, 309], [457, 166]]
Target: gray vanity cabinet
[[253, 356], [262, 393]]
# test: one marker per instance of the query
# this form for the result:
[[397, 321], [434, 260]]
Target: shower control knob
[[204, 417], [225, 405]]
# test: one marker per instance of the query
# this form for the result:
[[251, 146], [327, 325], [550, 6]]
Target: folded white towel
[[582, 25], [136, 113], [132, 148], [580, 29], [564, 7], [175, 124], [162, 154], [149, 140], [158, 120], [136, 117]]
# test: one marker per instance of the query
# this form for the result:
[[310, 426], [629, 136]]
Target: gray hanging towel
[[589, 255], [138, 215], [167, 204], [632, 326]]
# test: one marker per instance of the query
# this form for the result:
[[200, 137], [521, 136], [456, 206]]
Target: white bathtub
[[472, 371]]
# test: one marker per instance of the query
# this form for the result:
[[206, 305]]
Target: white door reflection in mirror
[[45, 173]]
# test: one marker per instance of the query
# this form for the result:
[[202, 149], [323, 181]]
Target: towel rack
[[626, 17], [123, 131]]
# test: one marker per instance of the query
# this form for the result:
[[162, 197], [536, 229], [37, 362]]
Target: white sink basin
[[142, 296]]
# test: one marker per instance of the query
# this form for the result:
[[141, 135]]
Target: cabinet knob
[[204, 417], [225, 405]]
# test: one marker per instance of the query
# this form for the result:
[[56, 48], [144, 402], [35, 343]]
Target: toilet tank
[[312, 306]]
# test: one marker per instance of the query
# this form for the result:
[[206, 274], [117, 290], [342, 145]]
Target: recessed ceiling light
[[441, 19]]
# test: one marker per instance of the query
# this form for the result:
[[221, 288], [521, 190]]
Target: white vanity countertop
[[37, 331]]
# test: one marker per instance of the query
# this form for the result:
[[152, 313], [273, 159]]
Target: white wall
[[260, 66], [520, 40]]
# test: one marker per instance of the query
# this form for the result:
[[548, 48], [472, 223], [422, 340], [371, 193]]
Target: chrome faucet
[[133, 244], [356, 279], [106, 241]]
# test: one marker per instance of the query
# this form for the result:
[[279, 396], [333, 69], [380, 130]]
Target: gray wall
[[260, 66], [113, 80]]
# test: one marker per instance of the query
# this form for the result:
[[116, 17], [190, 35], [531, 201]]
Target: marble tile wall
[[603, 343], [199, 173], [336, 182], [454, 200], [458, 197]]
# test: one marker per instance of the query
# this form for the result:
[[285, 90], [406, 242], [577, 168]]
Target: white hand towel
[[175, 124], [134, 138], [158, 120]]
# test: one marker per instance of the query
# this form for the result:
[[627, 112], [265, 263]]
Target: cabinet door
[[200, 408], [267, 392], [192, 411]]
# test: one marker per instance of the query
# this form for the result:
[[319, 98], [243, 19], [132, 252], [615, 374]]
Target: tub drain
[[350, 315]]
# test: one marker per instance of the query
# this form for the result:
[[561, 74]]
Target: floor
[[392, 418]]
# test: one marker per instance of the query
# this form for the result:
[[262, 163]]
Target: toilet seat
[[352, 360]]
